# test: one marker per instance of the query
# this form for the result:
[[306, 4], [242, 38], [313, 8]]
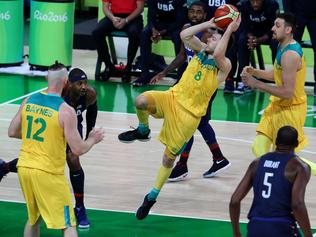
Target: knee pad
[[261, 145]]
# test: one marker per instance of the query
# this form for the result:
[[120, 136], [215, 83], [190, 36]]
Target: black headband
[[77, 74]]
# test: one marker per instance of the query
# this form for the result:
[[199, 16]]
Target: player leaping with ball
[[183, 105]]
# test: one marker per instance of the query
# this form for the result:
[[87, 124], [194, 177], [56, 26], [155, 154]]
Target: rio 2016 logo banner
[[50, 16], [6, 16]]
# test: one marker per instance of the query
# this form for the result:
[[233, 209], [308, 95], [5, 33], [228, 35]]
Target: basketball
[[225, 14]]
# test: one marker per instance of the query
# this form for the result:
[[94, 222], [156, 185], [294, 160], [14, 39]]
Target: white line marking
[[21, 97], [154, 214], [132, 212]]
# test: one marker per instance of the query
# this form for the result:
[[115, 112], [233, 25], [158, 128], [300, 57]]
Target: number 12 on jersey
[[35, 135]]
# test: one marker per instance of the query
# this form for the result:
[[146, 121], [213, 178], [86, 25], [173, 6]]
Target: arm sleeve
[[91, 117]]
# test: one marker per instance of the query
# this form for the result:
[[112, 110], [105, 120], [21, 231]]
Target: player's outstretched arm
[[68, 121]]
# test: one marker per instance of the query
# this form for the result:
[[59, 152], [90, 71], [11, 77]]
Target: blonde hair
[[57, 73]]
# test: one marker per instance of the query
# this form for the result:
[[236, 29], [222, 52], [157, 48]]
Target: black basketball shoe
[[144, 209], [133, 135], [218, 165], [3, 172], [179, 172]]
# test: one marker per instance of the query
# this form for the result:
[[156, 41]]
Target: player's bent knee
[[141, 102]]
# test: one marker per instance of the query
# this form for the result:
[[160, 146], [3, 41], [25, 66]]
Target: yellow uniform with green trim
[[41, 163], [281, 112], [183, 105]]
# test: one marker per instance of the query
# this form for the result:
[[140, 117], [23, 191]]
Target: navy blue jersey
[[167, 13], [272, 191], [258, 22], [80, 105]]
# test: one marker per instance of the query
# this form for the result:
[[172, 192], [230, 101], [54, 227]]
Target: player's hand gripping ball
[[225, 14]]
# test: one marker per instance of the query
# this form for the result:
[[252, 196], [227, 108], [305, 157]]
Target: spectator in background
[[197, 13], [213, 5], [305, 12], [120, 15], [165, 18], [257, 20]]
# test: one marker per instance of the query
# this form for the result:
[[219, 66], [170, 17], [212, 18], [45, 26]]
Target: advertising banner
[[51, 32], [11, 32]]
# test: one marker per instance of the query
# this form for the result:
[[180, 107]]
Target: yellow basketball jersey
[[197, 85], [43, 141], [299, 95]]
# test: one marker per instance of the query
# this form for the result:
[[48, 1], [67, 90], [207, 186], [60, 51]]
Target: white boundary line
[[154, 214], [131, 212], [21, 97]]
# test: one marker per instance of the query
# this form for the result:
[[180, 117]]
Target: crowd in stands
[[165, 20]]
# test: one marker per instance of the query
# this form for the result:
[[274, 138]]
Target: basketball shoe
[[218, 165], [2, 169], [133, 135], [81, 217], [144, 209], [179, 172]]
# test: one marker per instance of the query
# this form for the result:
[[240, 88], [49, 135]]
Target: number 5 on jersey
[[267, 193]]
